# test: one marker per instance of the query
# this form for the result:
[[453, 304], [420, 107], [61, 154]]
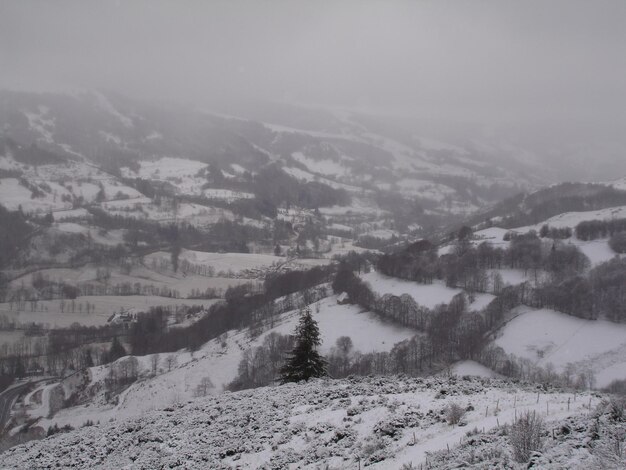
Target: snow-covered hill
[[168, 379], [174, 146], [381, 423], [593, 351], [567, 343]]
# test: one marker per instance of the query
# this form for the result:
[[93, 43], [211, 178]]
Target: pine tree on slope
[[304, 361]]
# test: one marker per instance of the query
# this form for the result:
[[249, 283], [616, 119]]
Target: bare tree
[[170, 362], [202, 389], [154, 362]]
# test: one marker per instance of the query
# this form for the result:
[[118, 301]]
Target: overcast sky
[[494, 59]]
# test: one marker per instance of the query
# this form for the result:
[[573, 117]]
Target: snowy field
[[382, 234], [166, 167], [428, 295], [493, 235], [58, 314], [180, 282], [223, 262], [549, 337], [13, 195], [227, 194], [598, 251], [368, 332], [184, 175], [571, 219], [325, 167], [378, 423], [144, 208]]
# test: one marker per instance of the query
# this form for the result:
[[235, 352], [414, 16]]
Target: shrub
[[617, 409], [525, 436], [454, 413]]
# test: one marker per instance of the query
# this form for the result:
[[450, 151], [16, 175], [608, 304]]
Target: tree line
[[466, 265], [243, 306], [594, 229]]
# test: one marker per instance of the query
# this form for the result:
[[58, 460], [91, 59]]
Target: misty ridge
[[339, 235], [549, 77]]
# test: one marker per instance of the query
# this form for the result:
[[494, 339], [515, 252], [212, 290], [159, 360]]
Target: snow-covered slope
[[381, 423], [571, 219], [175, 377], [548, 337], [427, 295]]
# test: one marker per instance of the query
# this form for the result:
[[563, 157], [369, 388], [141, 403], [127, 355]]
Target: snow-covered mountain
[[113, 208], [341, 150]]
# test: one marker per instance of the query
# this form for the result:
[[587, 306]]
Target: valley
[[149, 267]]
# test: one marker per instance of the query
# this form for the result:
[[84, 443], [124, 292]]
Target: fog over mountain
[[489, 60]]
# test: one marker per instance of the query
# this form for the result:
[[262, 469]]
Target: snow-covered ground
[[380, 423], [383, 234], [571, 219], [224, 262], [218, 359], [62, 313], [13, 195], [470, 368], [493, 235], [323, 166], [226, 194], [428, 295], [598, 251], [366, 329], [549, 337]]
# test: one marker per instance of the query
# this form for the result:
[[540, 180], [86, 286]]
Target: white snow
[[379, 423], [549, 337], [571, 219], [428, 295], [225, 262], [472, 369], [367, 331], [383, 234], [227, 194], [13, 195], [598, 251], [237, 168], [325, 167], [493, 235]]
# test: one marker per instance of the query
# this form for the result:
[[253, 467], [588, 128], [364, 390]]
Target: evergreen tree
[[116, 350], [304, 362]]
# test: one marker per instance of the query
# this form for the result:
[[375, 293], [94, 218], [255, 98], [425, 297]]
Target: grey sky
[[471, 59]]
